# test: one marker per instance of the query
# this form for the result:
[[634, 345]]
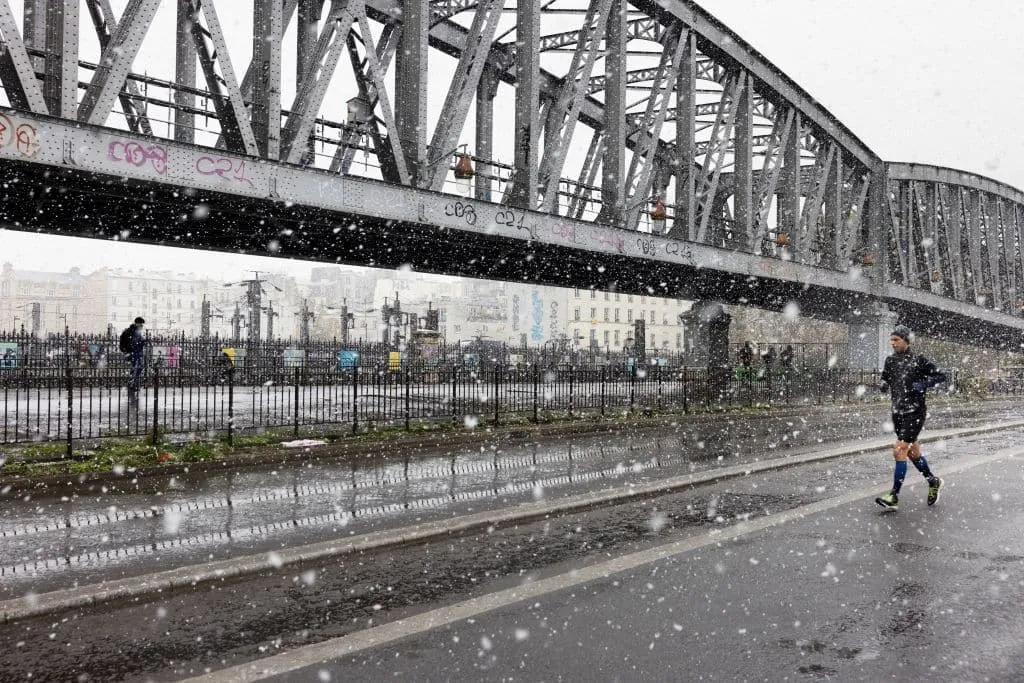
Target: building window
[[629, 315], [593, 335], [616, 339], [679, 340], [576, 314], [577, 292], [593, 314], [616, 296], [606, 314], [616, 315], [606, 337], [593, 294], [652, 317], [606, 296], [653, 344]]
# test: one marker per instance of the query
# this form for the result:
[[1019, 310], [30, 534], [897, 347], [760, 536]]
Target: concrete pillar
[[869, 337]]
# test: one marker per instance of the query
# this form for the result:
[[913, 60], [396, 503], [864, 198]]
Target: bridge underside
[[67, 202]]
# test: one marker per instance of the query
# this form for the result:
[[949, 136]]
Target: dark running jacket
[[906, 377]]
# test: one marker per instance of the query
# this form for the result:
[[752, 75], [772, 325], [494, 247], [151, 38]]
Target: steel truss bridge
[[641, 147]]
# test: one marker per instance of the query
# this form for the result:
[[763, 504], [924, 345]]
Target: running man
[[906, 377]]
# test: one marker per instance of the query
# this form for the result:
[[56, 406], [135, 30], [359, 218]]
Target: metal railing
[[70, 404]]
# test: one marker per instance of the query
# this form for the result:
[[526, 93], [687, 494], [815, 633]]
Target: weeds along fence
[[71, 404]]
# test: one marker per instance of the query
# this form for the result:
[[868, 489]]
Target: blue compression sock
[[898, 475], [922, 466]]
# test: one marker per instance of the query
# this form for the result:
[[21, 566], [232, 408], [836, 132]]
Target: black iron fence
[[72, 403]]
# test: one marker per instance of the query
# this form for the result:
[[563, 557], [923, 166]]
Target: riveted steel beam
[[613, 163], [812, 236], [60, 87], [638, 179], [743, 155], [485, 94], [522, 187], [212, 49], [411, 78], [683, 156], [461, 92], [319, 71], [105, 23], [16, 70], [351, 135], [268, 30], [714, 160], [370, 77], [769, 177], [184, 75], [564, 110], [588, 175], [116, 61]]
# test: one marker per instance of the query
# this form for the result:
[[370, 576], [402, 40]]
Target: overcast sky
[[916, 80]]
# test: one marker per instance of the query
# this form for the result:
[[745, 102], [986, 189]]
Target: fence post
[[407, 398], [355, 398], [572, 394], [658, 402], [156, 404], [536, 382], [686, 407], [604, 372], [770, 395], [632, 386], [231, 405], [295, 409], [455, 384], [497, 371], [71, 404]]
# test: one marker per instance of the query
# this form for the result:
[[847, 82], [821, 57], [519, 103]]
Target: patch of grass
[[49, 450]]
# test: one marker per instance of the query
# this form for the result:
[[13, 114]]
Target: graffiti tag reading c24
[[137, 154], [459, 210], [228, 169], [21, 135]]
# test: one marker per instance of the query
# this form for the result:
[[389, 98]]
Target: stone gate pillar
[[869, 337], [706, 331]]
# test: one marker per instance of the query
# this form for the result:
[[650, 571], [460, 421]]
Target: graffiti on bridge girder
[[224, 167], [136, 154], [22, 136]]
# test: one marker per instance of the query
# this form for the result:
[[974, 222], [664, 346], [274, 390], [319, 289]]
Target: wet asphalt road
[[51, 541], [851, 594], [234, 622]]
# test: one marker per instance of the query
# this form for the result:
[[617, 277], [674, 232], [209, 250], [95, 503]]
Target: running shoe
[[934, 484], [890, 501]]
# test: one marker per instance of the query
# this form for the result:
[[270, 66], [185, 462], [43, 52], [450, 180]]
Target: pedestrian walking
[[907, 376], [786, 358], [746, 356], [769, 359], [133, 345]]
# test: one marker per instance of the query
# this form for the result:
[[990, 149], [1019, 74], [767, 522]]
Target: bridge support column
[[869, 338], [706, 331]]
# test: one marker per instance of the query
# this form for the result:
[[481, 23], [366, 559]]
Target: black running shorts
[[908, 425]]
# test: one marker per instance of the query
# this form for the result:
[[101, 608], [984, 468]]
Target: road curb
[[191, 576]]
